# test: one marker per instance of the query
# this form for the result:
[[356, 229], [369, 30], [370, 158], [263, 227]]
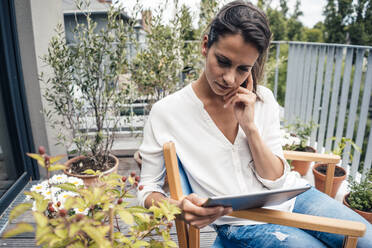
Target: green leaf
[[18, 229], [38, 157], [56, 158], [138, 209], [131, 180], [77, 244], [61, 232], [41, 205], [57, 167], [18, 210], [73, 229], [40, 219], [140, 243], [89, 172], [98, 235], [126, 216], [67, 187]]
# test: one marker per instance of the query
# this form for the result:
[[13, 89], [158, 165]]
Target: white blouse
[[213, 164]]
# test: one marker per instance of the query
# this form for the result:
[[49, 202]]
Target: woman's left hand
[[243, 101]]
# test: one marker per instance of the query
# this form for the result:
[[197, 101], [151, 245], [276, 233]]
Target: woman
[[226, 131]]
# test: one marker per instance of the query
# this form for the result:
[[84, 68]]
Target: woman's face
[[228, 63]]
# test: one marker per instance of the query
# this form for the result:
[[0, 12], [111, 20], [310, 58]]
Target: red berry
[[51, 209], [41, 150], [120, 201], [50, 204], [62, 212], [79, 217], [132, 174], [59, 204], [124, 179], [135, 184], [169, 224], [137, 178], [140, 187]]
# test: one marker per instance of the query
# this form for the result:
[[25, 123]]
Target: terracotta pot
[[302, 166], [320, 180], [90, 180], [365, 215]]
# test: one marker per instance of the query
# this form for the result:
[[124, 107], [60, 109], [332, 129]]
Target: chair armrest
[[309, 222], [310, 156]]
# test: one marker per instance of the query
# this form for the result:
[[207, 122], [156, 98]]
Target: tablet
[[255, 200]]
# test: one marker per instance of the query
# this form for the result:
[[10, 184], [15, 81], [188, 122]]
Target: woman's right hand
[[196, 215]]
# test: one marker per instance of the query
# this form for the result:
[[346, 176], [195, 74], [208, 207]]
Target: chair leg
[[329, 179], [194, 237], [182, 234], [350, 242]]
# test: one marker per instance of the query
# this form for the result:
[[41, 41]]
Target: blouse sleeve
[[272, 137], [153, 168]]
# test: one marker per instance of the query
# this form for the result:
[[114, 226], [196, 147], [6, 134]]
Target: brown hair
[[241, 17]]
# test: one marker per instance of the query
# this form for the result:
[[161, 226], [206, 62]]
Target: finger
[[189, 207], [232, 93], [194, 198], [200, 223], [250, 82]]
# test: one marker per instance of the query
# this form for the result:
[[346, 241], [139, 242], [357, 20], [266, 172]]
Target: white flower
[[76, 181], [81, 211], [39, 188], [34, 206], [58, 179], [51, 193], [62, 197]]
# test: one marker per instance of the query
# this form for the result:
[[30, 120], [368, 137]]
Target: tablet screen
[[255, 200]]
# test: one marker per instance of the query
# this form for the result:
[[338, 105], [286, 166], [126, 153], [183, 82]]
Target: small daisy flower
[[62, 197], [39, 188], [76, 181], [81, 211], [58, 179]]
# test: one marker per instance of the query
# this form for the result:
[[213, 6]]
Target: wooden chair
[[189, 236]]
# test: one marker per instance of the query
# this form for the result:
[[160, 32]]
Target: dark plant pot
[[302, 166], [320, 179], [90, 180], [365, 215]]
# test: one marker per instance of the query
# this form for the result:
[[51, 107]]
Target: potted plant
[[320, 170], [360, 197], [67, 214], [84, 95], [297, 140]]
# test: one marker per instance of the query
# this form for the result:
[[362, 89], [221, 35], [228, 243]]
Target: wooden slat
[[350, 242], [194, 237], [309, 156], [310, 99], [363, 114], [305, 83], [276, 70], [325, 98], [289, 88], [329, 179], [309, 222], [344, 94], [334, 99], [318, 91], [173, 175], [353, 104]]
